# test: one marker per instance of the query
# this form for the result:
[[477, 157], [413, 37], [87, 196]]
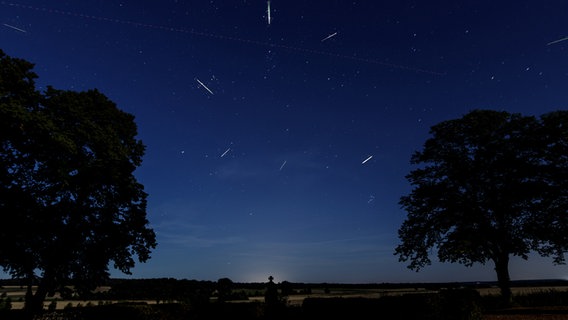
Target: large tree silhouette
[[69, 201], [489, 186]]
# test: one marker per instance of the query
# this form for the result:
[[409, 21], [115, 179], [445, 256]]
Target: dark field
[[177, 299]]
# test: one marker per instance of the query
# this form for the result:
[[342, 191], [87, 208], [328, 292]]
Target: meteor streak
[[204, 86], [330, 36], [556, 41], [268, 11], [365, 161], [12, 27], [224, 153], [166, 28], [283, 164]]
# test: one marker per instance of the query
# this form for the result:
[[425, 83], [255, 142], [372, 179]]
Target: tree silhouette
[[69, 201], [489, 186], [224, 289]]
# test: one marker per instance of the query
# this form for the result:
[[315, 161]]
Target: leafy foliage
[[68, 196], [489, 185]]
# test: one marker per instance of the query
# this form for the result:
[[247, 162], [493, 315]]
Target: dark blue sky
[[264, 175]]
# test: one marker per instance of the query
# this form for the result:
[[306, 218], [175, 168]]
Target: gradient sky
[[260, 171]]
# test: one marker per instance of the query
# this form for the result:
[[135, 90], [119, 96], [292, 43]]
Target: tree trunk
[[34, 301], [503, 279], [29, 296]]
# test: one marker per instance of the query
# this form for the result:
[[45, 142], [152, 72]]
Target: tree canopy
[[69, 201], [488, 186]]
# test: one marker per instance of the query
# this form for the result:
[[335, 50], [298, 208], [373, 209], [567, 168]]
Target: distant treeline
[[410, 285], [168, 282]]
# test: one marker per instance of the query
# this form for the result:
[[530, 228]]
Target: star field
[[279, 149]]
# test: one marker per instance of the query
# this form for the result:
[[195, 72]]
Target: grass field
[[17, 295]]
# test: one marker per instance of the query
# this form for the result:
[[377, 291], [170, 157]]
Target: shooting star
[[268, 11], [224, 153], [556, 41], [204, 86], [283, 164], [15, 28], [365, 161], [328, 37]]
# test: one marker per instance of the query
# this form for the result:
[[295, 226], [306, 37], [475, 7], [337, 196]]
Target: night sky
[[257, 133]]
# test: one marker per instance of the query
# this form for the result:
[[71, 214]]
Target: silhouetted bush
[[5, 301], [224, 289], [52, 305], [461, 304]]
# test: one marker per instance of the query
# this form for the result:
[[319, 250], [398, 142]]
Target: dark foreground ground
[[451, 304]]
